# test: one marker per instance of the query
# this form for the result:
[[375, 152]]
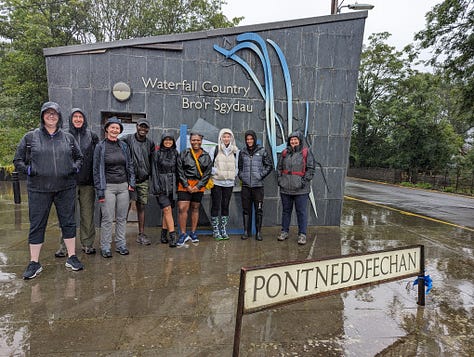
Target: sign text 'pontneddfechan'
[[202, 102], [279, 284]]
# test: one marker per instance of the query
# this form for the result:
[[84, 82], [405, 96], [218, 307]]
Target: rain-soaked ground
[[159, 301]]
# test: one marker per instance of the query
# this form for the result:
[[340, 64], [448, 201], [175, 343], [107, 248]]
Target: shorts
[[140, 195], [165, 200], [193, 197]]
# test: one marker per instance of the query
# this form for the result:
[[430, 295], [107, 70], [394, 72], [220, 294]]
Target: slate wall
[[323, 56]]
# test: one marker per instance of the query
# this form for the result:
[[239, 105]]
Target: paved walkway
[[159, 301]]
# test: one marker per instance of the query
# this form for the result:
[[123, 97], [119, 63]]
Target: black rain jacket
[[51, 162]]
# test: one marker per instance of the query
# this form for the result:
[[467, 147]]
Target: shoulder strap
[[28, 140], [197, 162], [216, 151]]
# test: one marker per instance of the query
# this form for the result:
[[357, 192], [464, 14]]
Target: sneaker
[[106, 253], [74, 263], [122, 250], [33, 269], [283, 235], [143, 239], [61, 252], [301, 239], [194, 237], [183, 238], [88, 250]]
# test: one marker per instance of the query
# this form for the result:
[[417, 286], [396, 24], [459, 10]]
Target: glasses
[[51, 113]]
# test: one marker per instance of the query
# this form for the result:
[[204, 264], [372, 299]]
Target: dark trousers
[[39, 206], [220, 200], [252, 197], [301, 204]]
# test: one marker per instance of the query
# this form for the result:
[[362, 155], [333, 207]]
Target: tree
[[382, 67], [28, 26], [122, 19], [421, 136], [449, 33]]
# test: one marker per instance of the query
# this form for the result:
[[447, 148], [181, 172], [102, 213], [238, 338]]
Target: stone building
[[273, 78]]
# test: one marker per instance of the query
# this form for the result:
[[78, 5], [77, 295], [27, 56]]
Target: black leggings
[[220, 200]]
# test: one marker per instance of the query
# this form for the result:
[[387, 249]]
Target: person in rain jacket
[[164, 185], [114, 177], [224, 171], [192, 181], [141, 148], [85, 193], [51, 158], [295, 172], [254, 165]]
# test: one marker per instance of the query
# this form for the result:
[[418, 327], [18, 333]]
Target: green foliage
[[9, 139], [381, 67], [29, 26], [404, 118], [449, 33], [424, 185]]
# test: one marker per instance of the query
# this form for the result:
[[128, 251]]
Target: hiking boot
[[122, 250], [173, 239], [283, 235], [88, 250], [183, 238], [301, 239], [194, 237], [106, 253], [164, 236], [74, 263], [33, 269], [143, 239]]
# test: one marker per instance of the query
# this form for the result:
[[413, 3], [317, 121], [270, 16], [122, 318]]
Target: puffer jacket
[[164, 176], [100, 182], [51, 161], [254, 164], [294, 176], [187, 168], [142, 152], [87, 141], [224, 170]]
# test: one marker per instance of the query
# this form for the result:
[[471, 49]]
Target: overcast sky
[[402, 18]]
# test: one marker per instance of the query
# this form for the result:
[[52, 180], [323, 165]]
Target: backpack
[[301, 173], [305, 157]]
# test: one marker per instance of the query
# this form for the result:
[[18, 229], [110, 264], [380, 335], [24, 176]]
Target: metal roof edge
[[188, 36]]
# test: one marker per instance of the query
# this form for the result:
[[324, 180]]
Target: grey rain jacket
[[164, 175], [87, 141], [142, 152], [100, 183], [50, 161], [294, 177], [254, 163]]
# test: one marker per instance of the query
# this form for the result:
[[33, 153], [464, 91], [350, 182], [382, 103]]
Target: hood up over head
[[55, 106]]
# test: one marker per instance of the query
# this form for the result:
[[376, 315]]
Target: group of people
[[65, 167]]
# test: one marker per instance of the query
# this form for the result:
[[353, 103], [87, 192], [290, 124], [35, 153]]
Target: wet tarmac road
[[447, 207], [181, 302]]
